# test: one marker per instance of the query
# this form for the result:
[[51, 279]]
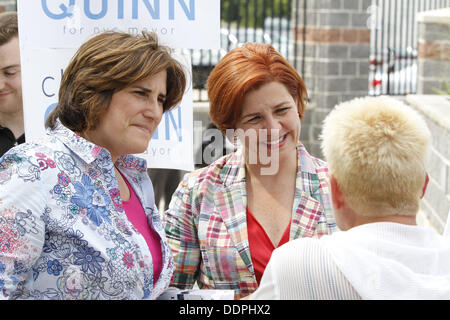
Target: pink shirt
[[136, 214]]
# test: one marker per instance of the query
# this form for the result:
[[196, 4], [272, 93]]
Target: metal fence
[[267, 21], [393, 54]]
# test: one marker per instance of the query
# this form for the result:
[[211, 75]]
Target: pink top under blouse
[[136, 214]]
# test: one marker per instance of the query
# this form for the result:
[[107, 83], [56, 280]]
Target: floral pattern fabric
[[63, 230]]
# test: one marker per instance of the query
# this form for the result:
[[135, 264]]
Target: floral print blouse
[[63, 230]]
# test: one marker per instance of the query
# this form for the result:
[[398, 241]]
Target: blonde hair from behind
[[377, 148]]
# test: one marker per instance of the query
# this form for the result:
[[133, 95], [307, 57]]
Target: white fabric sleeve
[[302, 269], [268, 288]]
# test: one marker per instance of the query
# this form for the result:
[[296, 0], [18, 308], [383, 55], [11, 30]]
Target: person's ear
[[336, 195], [425, 185]]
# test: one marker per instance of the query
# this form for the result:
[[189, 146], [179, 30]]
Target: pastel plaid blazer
[[206, 223]]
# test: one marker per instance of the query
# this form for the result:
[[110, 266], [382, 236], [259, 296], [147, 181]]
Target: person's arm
[[181, 232], [22, 216]]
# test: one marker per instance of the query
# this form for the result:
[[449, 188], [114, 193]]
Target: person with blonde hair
[[376, 149], [77, 213]]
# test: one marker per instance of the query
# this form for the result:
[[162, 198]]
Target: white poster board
[[50, 31], [188, 24]]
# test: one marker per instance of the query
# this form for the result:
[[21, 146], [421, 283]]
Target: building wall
[[433, 73], [433, 51], [336, 58], [8, 5], [436, 111]]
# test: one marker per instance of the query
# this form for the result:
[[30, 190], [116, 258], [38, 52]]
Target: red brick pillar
[[335, 39]]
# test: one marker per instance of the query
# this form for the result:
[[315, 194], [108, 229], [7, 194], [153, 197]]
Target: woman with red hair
[[225, 220]]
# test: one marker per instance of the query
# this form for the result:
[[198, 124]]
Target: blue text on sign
[[152, 7], [170, 119]]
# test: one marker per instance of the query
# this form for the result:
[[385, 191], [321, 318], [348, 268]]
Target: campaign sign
[[188, 24], [42, 71], [45, 53]]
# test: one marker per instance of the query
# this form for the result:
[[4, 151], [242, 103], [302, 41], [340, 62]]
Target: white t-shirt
[[372, 261]]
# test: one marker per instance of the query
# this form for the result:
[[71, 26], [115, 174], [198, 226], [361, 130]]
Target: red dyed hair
[[244, 69]]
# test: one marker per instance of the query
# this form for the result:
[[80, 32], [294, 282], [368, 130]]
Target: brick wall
[[336, 66], [433, 50]]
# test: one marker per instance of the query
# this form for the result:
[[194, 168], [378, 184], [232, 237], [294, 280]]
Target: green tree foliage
[[252, 13]]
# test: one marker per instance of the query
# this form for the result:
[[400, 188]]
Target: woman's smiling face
[[270, 114]]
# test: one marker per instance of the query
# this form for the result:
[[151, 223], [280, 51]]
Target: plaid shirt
[[206, 224]]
